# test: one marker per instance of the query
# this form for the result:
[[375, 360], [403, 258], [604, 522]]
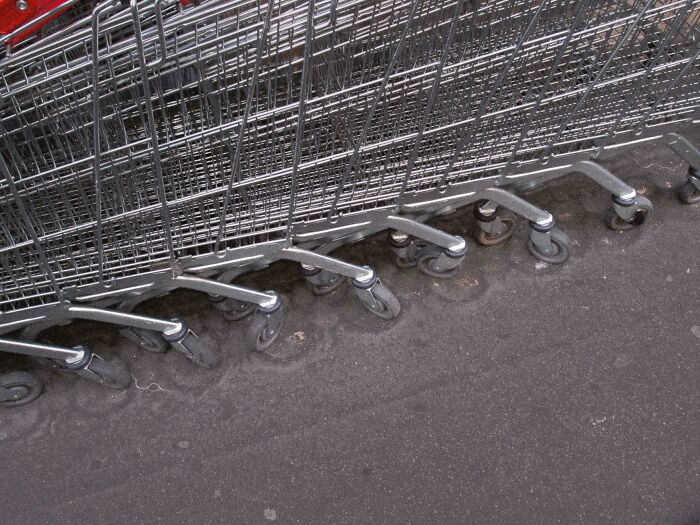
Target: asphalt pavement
[[518, 392]]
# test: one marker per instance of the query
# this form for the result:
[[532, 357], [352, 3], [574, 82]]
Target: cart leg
[[268, 316], [174, 331], [435, 252], [546, 242], [685, 149], [77, 359], [628, 209], [229, 291], [690, 190], [372, 293]]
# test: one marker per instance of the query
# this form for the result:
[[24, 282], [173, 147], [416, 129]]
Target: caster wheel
[[689, 194], [426, 266], [560, 242], [265, 329], [385, 303], [487, 239], [235, 310], [325, 289], [111, 374], [20, 388], [147, 339], [198, 351], [642, 214], [404, 263]]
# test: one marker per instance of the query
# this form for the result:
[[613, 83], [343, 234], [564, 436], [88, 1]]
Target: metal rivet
[[22, 5]]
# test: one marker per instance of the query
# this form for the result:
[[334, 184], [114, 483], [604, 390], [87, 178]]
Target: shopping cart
[[163, 145]]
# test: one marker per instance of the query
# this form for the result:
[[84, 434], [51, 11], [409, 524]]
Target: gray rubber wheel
[[325, 289], [111, 374], [561, 244], [146, 339], [235, 310], [22, 386], [689, 194], [265, 330], [425, 265], [404, 264], [387, 304], [643, 212], [486, 239], [198, 351]]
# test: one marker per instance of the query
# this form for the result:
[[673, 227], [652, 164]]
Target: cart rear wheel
[[325, 289], [385, 305], [147, 339], [112, 374], [403, 263], [642, 213], [487, 239], [198, 351], [689, 194], [559, 255], [235, 310], [265, 329], [22, 388], [426, 266]]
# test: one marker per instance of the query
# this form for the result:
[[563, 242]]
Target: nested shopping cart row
[[64, 208], [157, 146]]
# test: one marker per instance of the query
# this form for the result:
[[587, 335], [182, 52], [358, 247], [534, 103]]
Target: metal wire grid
[[58, 86], [146, 240], [202, 102]]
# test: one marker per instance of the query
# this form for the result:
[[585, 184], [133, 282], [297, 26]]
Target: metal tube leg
[[547, 243], [31, 348], [262, 299], [125, 319], [628, 209], [518, 206], [623, 192], [452, 243], [685, 149], [77, 359], [266, 325], [330, 264], [437, 254], [372, 293], [174, 332]]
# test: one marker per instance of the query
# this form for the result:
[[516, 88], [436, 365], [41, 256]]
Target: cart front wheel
[[689, 194], [560, 251], [20, 388]]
